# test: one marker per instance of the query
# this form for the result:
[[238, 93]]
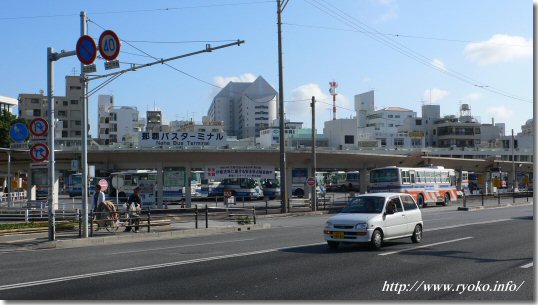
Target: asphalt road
[[467, 250]]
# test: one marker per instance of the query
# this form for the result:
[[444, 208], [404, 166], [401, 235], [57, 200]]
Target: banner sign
[[181, 139], [240, 171]]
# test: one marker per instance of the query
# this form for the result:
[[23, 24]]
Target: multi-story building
[[7, 103], [154, 120], [245, 108], [191, 126], [68, 111], [270, 137], [117, 124]]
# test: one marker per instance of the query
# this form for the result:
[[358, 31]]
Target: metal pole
[[514, 177], [8, 179], [314, 165], [50, 93], [283, 189], [84, 148]]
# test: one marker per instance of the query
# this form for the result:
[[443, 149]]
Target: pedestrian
[[98, 197], [134, 204]]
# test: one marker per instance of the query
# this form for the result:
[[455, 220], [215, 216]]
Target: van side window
[[396, 202], [408, 203]]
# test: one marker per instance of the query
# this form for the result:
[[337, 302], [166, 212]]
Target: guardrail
[[499, 197]]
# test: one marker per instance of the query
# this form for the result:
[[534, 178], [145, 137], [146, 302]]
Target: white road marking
[[466, 224], [527, 266], [182, 246], [425, 246], [141, 268]]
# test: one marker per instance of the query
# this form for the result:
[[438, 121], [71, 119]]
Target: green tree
[[6, 120]]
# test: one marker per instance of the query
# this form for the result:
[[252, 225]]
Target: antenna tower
[[332, 90]]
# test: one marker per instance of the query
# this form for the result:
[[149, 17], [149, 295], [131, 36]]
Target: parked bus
[[426, 184], [75, 185], [124, 183], [343, 181], [40, 179], [248, 188]]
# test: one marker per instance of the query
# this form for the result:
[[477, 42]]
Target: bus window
[[405, 177], [384, 175]]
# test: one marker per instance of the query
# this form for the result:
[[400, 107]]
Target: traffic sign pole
[[84, 148], [50, 93]]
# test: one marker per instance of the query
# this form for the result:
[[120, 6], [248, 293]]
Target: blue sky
[[477, 52]]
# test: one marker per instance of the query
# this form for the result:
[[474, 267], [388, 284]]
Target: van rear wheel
[[417, 234]]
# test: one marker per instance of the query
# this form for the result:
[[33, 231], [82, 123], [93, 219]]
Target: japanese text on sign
[[151, 139], [240, 171]]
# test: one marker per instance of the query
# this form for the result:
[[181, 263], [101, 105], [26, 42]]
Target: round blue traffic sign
[[18, 132], [86, 49]]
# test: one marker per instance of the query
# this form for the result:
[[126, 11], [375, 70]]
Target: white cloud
[[499, 48], [222, 81], [473, 96], [298, 109], [435, 94], [391, 7], [501, 112], [439, 64]]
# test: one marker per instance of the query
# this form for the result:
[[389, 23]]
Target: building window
[[390, 116], [37, 112], [61, 113], [65, 124], [64, 134], [397, 116], [398, 142], [65, 103], [74, 102], [418, 122], [34, 101]]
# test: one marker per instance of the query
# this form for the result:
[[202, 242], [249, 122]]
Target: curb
[[477, 208], [127, 238]]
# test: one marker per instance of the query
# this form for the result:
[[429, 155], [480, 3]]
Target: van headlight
[[361, 226]]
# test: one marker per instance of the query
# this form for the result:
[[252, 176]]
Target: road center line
[[425, 246], [527, 265], [148, 267], [466, 224], [182, 246]]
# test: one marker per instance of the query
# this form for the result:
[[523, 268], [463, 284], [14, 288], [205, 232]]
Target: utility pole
[[514, 177], [84, 144], [314, 195], [283, 186]]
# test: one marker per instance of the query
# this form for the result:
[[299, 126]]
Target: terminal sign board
[[182, 139], [240, 171]]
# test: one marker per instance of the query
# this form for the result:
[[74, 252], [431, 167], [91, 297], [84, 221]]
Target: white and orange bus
[[428, 185]]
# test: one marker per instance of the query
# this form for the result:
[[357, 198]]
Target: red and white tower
[[332, 90]]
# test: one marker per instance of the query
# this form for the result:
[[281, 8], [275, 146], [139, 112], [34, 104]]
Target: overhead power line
[[139, 11], [356, 24]]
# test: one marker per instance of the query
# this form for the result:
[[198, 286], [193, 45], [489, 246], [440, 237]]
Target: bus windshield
[[365, 204], [384, 175]]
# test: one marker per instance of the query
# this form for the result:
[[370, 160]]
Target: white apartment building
[[245, 108], [270, 137], [117, 124], [68, 111], [7, 103]]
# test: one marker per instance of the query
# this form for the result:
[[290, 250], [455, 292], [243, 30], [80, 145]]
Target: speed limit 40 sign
[[109, 45]]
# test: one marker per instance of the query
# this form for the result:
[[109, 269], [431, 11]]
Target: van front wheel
[[377, 239]]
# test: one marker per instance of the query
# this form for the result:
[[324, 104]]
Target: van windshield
[[365, 204]]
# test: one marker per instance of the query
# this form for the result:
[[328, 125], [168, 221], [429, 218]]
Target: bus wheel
[[447, 200], [421, 203]]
